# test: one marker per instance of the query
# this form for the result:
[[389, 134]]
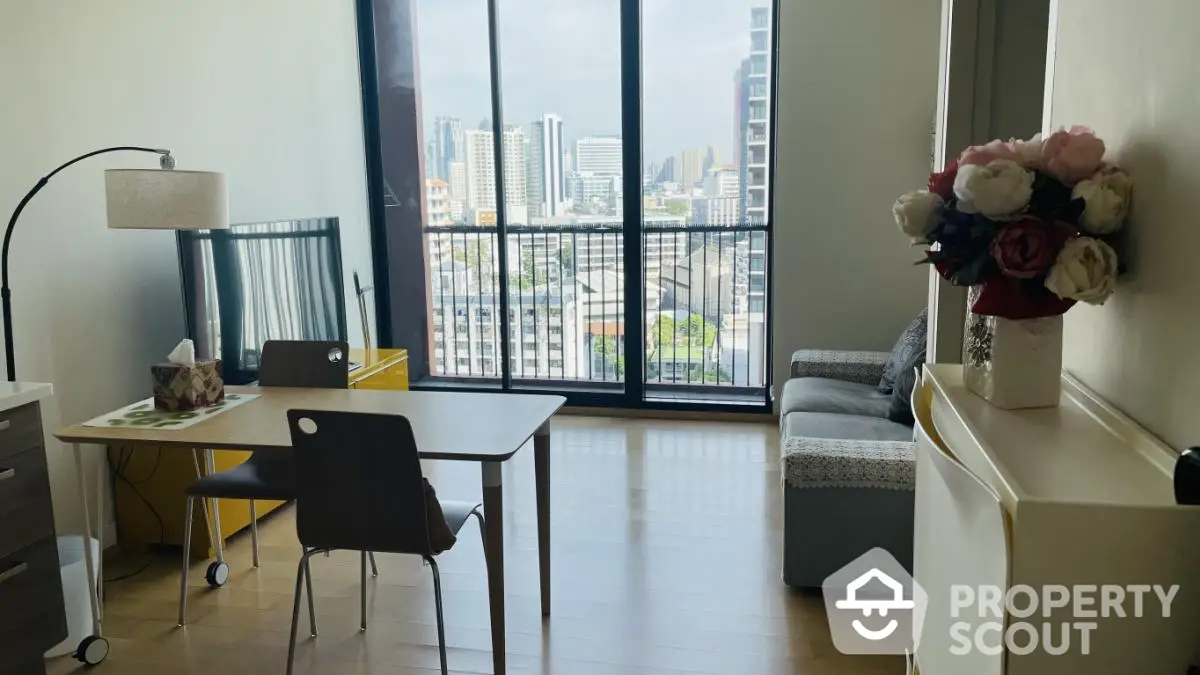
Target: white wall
[[1131, 70], [264, 90], [856, 92]]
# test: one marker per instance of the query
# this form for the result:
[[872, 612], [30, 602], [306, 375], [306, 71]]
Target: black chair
[[359, 487], [266, 474]]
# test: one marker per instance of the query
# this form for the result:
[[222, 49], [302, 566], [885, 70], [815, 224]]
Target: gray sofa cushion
[[847, 427], [819, 394]]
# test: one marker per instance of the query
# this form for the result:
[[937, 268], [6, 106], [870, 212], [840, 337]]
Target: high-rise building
[[437, 202], [752, 85], [480, 169], [598, 155], [722, 182], [516, 202], [547, 175], [431, 159], [691, 168], [669, 171], [712, 211], [752, 112], [710, 160], [446, 146], [458, 190], [481, 172]]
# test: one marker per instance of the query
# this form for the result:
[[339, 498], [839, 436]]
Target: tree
[[606, 348], [696, 331], [566, 258]]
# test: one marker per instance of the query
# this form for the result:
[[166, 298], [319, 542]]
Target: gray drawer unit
[[31, 606]]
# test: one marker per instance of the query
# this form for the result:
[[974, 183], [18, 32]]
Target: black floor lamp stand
[[5, 292]]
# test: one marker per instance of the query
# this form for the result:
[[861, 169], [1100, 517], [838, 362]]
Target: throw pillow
[[900, 410], [912, 339]]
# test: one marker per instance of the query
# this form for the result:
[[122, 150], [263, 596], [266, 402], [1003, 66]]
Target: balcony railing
[[566, 303]]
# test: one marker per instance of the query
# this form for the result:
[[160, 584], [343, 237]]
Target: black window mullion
[[631, 177], [501, 210]]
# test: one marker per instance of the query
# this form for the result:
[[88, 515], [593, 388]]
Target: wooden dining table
[[488, 429]]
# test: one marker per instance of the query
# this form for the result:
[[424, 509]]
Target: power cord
[[118, 473]]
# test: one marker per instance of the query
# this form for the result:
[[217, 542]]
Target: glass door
[[593, 197]]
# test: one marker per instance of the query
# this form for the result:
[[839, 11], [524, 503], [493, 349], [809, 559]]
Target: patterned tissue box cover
[[187, 387]]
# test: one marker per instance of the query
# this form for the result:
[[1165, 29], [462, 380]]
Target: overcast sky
[[563, 56]]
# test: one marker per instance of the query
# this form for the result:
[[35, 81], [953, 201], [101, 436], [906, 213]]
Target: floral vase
[[1013, 364]]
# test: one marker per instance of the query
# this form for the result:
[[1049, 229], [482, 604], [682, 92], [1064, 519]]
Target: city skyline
[[686, 102]]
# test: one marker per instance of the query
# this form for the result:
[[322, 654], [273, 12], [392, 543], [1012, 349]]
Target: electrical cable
[[118, 473]]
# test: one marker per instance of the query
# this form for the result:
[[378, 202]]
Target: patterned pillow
[[911, 340], [900, 410]]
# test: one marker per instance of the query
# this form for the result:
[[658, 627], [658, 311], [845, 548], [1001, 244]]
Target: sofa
[[848, 467]]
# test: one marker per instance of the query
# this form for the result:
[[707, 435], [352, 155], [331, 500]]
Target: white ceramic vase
[[1013, 364]]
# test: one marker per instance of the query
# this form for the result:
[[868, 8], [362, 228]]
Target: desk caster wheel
[[92, 650], [217, 574]]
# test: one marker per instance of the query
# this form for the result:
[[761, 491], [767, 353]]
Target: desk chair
[[266, 474], [359, 487]]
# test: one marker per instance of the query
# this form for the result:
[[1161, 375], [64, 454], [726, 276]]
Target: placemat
[[144, 414]]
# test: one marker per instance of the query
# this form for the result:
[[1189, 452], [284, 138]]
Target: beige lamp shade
[[166, 199]]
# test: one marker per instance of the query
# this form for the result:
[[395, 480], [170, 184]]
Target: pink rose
[[989, 152], [1073, 154]]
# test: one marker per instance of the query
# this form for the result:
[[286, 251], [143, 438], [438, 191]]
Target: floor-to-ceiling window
[[574, 195]]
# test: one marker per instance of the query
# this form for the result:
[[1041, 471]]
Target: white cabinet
[[1076, 496]]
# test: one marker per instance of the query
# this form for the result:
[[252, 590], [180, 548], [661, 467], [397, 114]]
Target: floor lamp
[[141, 199]]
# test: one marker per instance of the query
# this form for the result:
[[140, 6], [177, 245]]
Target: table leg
[[541, 469], [88, 559], [493, 511], [101, 474]]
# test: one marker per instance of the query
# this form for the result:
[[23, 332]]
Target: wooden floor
[[666, 559]]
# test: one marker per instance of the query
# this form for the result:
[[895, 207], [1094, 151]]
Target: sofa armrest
[[863, 367]]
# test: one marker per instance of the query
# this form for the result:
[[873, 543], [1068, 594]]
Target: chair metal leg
[[482, 526], [218, 537], [301, 574], [254, 531], [187, 552], [441, 623], [362, 625], [214, 532], [374, 569], [312, 607]]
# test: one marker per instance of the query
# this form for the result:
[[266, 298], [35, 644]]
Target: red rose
[[942, 184], [1026, 247], [1014, 299]]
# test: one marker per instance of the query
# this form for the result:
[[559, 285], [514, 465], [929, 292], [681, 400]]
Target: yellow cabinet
[[150, 482]]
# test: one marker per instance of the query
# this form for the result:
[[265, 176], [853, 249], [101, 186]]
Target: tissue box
[[179, 387]]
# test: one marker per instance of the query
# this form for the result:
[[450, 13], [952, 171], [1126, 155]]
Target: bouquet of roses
[[1032, 223]]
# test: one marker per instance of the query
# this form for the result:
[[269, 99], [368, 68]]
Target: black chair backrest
[[304, 363], [358, 482]]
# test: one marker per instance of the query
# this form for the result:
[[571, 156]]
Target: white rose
[[1086, 270], [1029, 152], [1106, 196], [1000, 188], [916, 213]]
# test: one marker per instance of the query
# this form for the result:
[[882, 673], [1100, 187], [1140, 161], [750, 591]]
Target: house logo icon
[[874, 606], [882, 606]]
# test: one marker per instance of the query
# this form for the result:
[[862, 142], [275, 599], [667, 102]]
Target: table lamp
[[144, 199]]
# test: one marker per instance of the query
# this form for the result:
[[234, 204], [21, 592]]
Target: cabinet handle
[[5, 424], [7, 473], [13, 571]]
